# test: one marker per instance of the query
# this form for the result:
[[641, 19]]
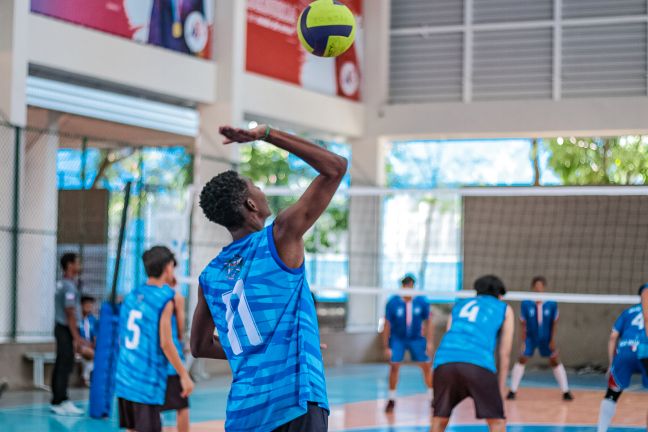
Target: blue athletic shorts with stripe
[[530, 345], [626, 364], [416, 347]]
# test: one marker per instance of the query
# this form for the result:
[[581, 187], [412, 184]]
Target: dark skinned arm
[[70, 314], [204, 342], [291, 224]]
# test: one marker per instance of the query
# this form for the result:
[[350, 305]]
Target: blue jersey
[[473, 335], [539, 319], [406, 318], [88, 327], [178, 344], [630, 326], [266, 321], [142, 366]]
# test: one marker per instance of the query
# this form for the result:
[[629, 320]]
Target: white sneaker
[[72, 409], [58, 409]]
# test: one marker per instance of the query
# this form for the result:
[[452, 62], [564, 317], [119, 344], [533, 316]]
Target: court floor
[[357, 400]]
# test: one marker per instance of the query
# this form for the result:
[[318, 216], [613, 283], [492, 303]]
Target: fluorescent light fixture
[[103, 105]]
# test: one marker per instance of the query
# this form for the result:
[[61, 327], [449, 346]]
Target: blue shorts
[[625, 364], [530, 345], [416, 347]]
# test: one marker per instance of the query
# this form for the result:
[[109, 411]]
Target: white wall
[[595, 116], [271, 98], [93, 54]]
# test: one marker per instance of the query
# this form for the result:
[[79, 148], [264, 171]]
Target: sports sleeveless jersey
[[267, 324], [142, 366], [630, 326], [472, 337], [176, 341], [396, 314], [642, 352], [539, 320]]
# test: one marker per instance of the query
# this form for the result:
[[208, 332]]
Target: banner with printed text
[[184, 26], [274, 50]]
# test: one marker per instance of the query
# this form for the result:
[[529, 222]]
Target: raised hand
[[236, 135]]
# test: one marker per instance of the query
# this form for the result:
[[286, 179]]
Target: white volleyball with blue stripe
[[326, 28]]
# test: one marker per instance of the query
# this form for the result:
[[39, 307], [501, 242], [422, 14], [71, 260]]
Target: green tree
[[599, 161], [271, 166]]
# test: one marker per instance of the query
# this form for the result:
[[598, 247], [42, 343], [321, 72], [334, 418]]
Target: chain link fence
[[64, 193]]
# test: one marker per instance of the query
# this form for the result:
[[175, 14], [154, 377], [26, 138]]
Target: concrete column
[[13, 60], [38, 224], [211, 157], [13, 109], [365, 225]]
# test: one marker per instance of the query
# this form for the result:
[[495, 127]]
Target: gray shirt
[[66, 296]]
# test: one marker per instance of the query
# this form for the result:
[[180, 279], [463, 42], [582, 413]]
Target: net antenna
[[120, 243]]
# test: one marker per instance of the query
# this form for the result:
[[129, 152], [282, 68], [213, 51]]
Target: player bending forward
[[622, 351], [256, 295], [642, 353], [464, 364], [408, 327], [539, 322]]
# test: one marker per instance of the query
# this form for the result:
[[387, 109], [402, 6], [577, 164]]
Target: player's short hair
[[87, 299], [156, 259], [408, 279], [67, 259], [537, 279], [222, 199], [642, 288], [490, 285]]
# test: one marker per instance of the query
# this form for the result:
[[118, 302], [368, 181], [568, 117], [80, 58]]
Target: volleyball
[[326, 28]]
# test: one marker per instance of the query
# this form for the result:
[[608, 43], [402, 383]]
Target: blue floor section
[[510, 428], [347, 384]]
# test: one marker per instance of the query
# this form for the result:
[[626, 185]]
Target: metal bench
[[40, 359]]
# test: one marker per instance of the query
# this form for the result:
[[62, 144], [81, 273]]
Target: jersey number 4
[[638, 321], [245, 314], [132, 341], [470, 311]]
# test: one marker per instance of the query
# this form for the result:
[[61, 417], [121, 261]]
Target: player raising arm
[[257, 298], [464, 364]]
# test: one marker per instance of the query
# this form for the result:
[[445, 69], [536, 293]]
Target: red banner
[[274, 50], [180, 25]]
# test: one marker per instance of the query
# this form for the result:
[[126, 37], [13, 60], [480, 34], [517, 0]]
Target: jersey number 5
[[132, 326], [244, 312], [470, 311]]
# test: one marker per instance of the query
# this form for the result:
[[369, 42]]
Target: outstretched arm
[[204, 343], [292, 223]]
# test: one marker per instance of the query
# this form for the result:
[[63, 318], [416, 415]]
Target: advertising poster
[[184, 26], [273, 50]]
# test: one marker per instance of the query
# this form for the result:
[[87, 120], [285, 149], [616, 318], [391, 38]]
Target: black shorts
[[315, 420], [139, 417], [173, 400], [454, 382]]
